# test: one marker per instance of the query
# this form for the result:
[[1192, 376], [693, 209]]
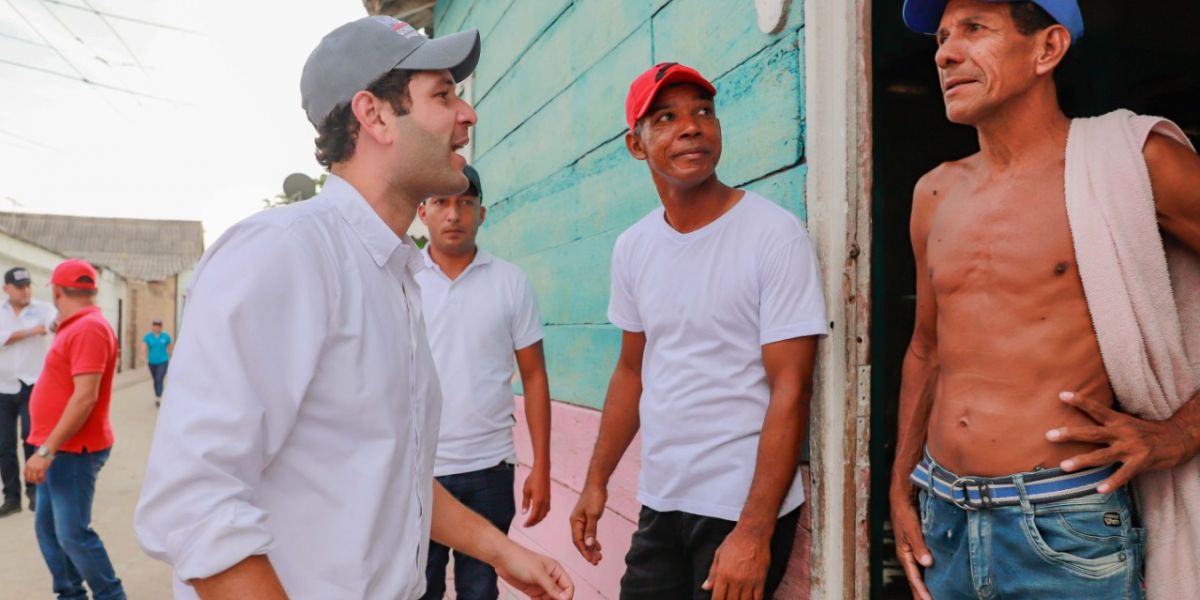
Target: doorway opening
[[1141, 56]]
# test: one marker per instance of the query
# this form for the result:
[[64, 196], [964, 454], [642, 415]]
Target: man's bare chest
[[1002, 241]]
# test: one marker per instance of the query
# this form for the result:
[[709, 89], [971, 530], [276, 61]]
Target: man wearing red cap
[[70, 427], [718, 296]]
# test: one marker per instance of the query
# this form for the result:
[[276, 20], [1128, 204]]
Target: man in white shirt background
[[294, 453], [25, 327], [719, 298], [480, 312]]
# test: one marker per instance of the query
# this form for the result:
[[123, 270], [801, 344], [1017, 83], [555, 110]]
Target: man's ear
[[1053, 43], [635, 145], [482, 212], [421, 210], [370, 109]]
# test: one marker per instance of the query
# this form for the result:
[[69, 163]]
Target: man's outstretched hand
[[539, 577]]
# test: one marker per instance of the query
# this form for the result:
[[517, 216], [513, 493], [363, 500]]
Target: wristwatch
[[44, 452]]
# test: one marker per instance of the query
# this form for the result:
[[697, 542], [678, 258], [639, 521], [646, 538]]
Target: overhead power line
[[85, 80], [120, 38], [101, 13]]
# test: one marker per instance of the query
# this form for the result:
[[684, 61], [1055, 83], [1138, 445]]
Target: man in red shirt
[[69, 424]]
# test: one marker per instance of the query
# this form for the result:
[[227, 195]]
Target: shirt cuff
[[219, 542], [797, 330]]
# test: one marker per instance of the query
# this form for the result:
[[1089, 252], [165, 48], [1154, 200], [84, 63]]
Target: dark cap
[[18, 276], [156, 322], [473, 180]]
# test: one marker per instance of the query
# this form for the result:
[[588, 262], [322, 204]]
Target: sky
[[193, 113]]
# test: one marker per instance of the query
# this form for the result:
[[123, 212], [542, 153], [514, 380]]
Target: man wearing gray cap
[[1009, 431], [298, 461]]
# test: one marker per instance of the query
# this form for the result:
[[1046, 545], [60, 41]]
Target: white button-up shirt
[[301, 419], [476, 321], [21, 362]]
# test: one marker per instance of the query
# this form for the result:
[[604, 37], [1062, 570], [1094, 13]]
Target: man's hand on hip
[[910, 540], [539, 577], [1139, 445], [584, 518], [739, 568]]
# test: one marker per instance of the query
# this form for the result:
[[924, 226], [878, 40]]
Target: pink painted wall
[[572, 436]]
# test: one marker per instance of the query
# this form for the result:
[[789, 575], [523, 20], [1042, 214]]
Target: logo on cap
[[400, 27]]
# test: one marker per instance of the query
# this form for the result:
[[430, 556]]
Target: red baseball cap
[[643, 89], [74, 273]]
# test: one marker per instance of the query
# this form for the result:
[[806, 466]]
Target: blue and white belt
[[977, 493]]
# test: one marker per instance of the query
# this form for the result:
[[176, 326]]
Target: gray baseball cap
[[352, 56]]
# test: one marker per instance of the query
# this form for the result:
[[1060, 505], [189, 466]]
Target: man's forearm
[[537, 417], [253, 577], [919, 378], [1187, 422], [619, 423], [779, 447], [458, 527]]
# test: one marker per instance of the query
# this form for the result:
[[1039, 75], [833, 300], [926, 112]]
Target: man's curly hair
[[338, 133]]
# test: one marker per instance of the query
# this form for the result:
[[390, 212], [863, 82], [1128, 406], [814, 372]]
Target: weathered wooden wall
[[559, 186], [550, 90]]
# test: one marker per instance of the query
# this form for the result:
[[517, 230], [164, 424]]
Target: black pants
[[490, 493], [672, 553], [14, 408]]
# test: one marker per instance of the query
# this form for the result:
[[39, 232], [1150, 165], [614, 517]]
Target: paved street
[[23, 574]]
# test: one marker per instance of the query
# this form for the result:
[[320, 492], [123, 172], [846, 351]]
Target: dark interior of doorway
[[1144, 56]]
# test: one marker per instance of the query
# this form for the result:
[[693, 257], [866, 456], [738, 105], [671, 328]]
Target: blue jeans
[[70, 547], [490, 493], [1085, 547], [159, 373]]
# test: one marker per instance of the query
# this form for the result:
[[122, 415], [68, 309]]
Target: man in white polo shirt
[[481, 312], [25, 326], [718, 297], [293, 457]]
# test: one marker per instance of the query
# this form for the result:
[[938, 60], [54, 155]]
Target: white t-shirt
[[475, 323], [708, 301]]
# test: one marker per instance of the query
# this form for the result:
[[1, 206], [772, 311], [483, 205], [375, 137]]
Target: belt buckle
[[965, 483]]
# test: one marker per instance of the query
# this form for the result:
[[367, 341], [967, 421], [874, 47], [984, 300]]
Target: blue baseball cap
[[923, 16]]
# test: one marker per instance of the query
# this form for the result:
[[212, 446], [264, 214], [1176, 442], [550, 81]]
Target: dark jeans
[[672, 553], [13, 408], [490, 493], [159, 373], [70, 547]]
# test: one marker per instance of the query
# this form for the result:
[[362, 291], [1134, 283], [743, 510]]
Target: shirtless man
[[1004, 358]]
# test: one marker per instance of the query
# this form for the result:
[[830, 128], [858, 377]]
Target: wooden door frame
[[837, 56]]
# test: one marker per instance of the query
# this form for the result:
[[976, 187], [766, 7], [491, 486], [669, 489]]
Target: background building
[[144, 265]]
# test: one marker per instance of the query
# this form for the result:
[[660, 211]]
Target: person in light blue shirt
[[158, 354]]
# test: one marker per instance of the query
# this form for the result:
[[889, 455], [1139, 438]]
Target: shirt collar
[[79, 314], [379, 239], [482, 257]]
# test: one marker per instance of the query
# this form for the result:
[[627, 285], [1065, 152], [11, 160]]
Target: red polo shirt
[[84, 344]]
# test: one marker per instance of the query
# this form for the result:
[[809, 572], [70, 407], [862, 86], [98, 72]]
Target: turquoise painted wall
[[558, 183]]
